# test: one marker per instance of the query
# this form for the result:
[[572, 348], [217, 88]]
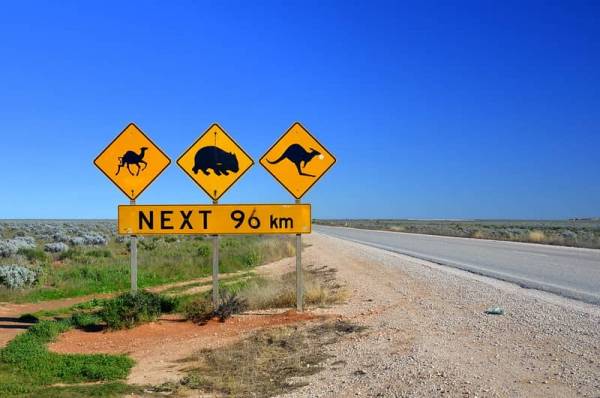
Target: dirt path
[[429, 336]]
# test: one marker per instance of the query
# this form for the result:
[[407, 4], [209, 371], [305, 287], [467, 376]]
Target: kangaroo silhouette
[[299, 156], [130, 158]]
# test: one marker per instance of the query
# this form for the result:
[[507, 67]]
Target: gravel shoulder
[[429, 336]]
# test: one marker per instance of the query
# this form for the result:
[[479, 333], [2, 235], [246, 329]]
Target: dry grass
[[264, 364], [536, 236], [320, 289]]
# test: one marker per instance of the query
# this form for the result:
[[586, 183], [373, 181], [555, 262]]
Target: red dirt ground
[[159, 347]]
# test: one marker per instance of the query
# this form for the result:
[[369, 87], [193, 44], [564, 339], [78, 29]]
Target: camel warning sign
[[132, 161], [297, 160], [215, 161]]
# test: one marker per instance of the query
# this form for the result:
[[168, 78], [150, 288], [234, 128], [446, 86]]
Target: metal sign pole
[[133, 251], [215, 268], [299, 276]]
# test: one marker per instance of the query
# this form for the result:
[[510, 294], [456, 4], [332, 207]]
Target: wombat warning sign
[[215, 161]]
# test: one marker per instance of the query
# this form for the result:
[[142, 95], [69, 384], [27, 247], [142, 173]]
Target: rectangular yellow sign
[[214, 219]]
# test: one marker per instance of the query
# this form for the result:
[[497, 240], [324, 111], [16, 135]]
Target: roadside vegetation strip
[[83, 271], [577, 233], [26, 365]]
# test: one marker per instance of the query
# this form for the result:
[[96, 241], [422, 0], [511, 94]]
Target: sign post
[[132, 162], [133, 251], [297, 160], [215, 267], [299, 276], [215, 162]]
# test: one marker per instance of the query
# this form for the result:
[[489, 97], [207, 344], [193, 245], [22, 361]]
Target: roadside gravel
[[428, 334]]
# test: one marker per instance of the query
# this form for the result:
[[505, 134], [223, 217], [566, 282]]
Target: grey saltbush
[[76, 241], [16, 276], [94, 239], [56, 247], [10, 247]]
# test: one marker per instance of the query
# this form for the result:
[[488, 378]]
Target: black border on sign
[[224, 204], [317, 179], [152, 180], [235, 142]]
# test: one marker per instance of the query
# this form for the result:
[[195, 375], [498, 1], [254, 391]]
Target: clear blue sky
[[449, 109]]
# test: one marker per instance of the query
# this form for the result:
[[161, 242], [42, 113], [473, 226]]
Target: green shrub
[[33, 254], [72, 253], [129, 310], [99, 253], [203, 251], [252, 258], [85, 319], [148, 244]]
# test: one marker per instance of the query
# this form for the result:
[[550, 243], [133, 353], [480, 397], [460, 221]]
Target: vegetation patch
[[83, 270], [201, 310], [27, 367], [129, 309]]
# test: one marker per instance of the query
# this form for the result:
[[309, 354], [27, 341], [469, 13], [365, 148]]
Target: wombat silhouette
[[211, 157], [299, 156], [130, 158]]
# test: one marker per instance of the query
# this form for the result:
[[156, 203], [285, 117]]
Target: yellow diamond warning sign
[[297, 160], [132, 161], [215, 161]]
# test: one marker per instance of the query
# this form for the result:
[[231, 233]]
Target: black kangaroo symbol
[[297, 155], [130, 158]]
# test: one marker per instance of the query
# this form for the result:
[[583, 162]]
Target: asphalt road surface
[[571, 272]]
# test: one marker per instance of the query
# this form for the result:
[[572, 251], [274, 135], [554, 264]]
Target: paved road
[[571, 272]]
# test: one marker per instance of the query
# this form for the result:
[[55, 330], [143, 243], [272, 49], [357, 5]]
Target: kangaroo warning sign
[[297, 160], [132, 161], [215, 161], [214, 219]]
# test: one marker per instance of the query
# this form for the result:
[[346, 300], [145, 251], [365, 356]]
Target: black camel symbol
[[130, 158], [299, 156]]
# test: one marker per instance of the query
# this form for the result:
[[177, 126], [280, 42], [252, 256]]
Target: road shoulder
[[428, 333]]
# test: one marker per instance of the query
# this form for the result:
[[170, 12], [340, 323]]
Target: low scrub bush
[[10, 247], [17, 276], [202, 310], [199, 311], [56, 247], [230, 304], [33, 254], [104, 253], [94, 239], [129, 309], [84, 320]]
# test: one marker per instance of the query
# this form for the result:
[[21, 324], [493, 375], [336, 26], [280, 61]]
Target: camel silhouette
[[299, 156], [130, 158]]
